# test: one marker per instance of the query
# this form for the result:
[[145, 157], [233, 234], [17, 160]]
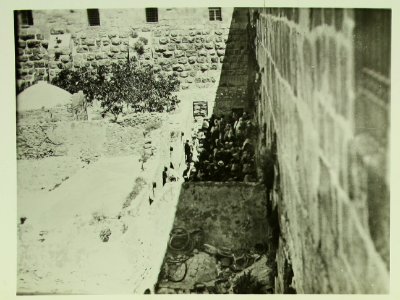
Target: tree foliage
[[117, 85]]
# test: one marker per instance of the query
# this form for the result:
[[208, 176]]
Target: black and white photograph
[[201, 149]]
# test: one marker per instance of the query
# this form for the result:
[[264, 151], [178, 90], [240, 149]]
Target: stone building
[[190, 42], [318, 82]]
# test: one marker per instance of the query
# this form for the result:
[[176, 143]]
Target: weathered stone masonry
[[308, 97], [183, 42]]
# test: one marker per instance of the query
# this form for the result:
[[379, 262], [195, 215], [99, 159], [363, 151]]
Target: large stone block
[[93, 49], [35, 57], [192, 59], [90, 42], [27, 36], [21, 44], [204, 67], [54, 31], [53, 65], [160, 49], [115, 41], [183, 47], [45, 44], [114, 49], [82, 49], [209, 46], [220, 46], [179, 53], [214, 59], [176, 40], [187, 67], [163, 41], [99, 56], [201, 59], [90, 57], [166, 68], [199, 46], [33, 43], [177, 68], [29, 64], [214, 67], [182, 60], [39, 64], [41, 71], [187, 39], [168, 54], [199, 39], [36, 51], [190, 53], [202, 52], [171, 47]]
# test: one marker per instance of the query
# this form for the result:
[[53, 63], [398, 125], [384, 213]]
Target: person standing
[[164, 175], [188, 152]]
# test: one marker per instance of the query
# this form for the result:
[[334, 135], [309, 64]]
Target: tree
[[141, 87]]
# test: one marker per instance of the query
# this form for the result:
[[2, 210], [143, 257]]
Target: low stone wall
[[38, 116], [37, 137], [231, 215]]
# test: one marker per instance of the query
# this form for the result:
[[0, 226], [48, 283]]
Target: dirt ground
[[85, 224]]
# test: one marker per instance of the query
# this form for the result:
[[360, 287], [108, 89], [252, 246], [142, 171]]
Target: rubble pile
[[192, 266], [33, 142]]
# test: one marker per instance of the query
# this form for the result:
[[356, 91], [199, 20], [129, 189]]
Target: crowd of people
[[221, 149]]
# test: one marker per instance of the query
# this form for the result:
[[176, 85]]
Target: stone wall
[[231, 215], [307, 96], [183, 42], [39, 116]]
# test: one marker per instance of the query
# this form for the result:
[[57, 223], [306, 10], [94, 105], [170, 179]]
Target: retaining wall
[[231, 215]]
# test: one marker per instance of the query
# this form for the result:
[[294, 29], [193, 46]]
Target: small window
[[151, 15], [215, 13], [93, 17], [26, 17]]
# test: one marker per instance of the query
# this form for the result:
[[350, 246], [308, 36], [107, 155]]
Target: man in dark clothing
[[188, 152], [164, 176]]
